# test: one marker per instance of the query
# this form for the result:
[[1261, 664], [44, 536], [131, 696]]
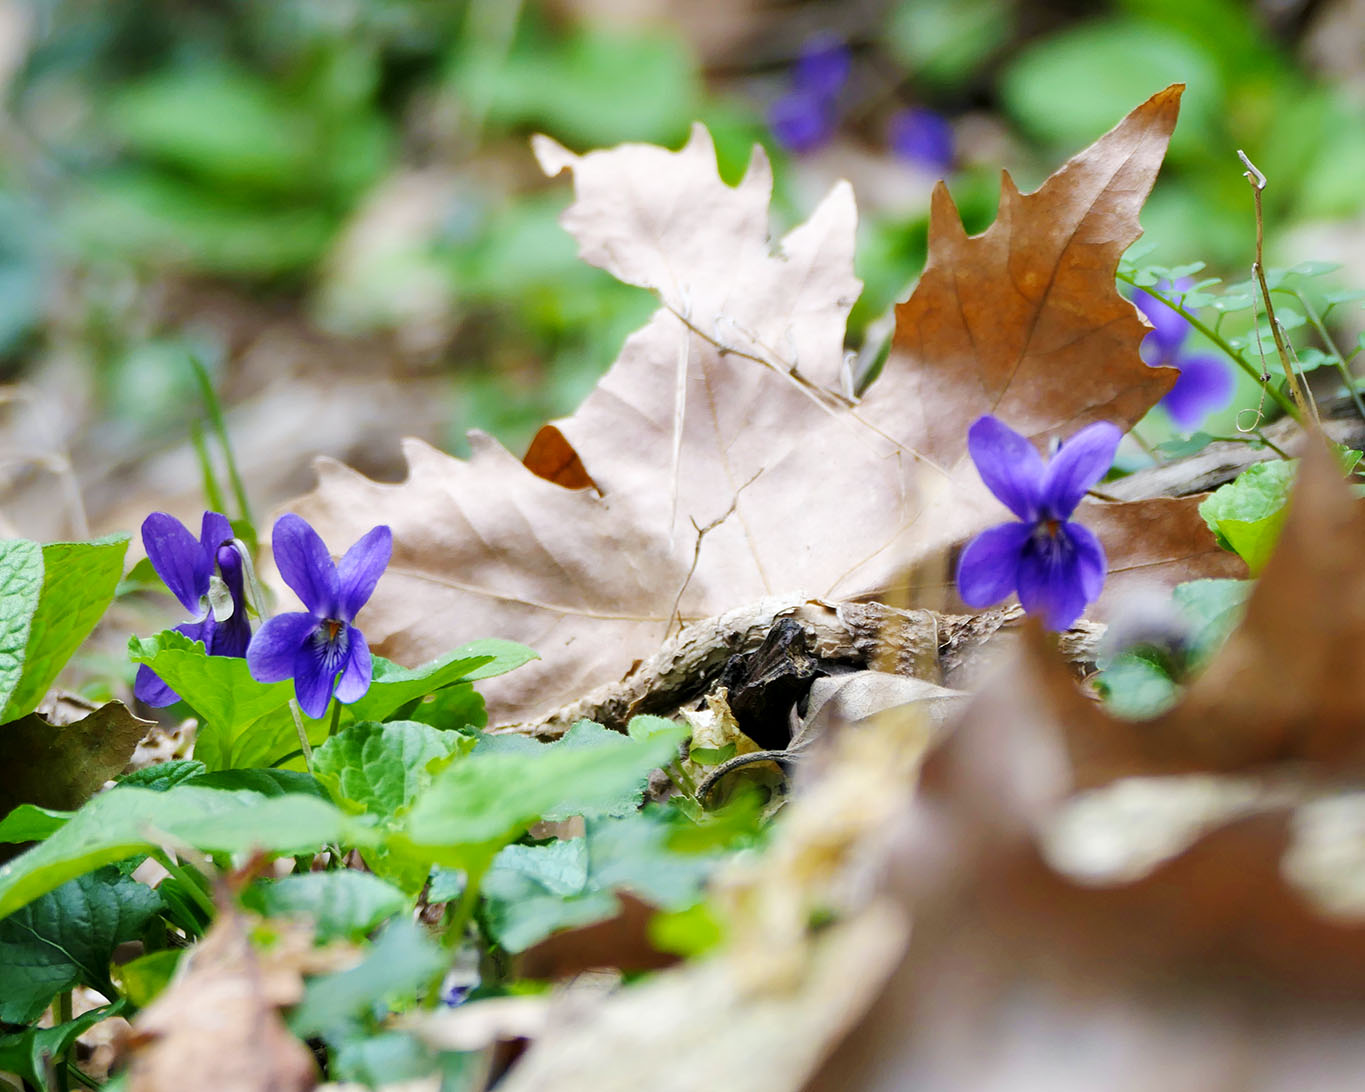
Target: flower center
[[333, 629]]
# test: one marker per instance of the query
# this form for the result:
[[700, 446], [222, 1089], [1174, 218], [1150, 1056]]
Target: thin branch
[[1258, 182]]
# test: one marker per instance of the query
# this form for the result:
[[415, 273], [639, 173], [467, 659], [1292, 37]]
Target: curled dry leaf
[[718, 465], [217, 1026]]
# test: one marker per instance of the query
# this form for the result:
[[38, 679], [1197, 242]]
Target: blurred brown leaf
[[729, 466], [60, 765], [217, 1027]]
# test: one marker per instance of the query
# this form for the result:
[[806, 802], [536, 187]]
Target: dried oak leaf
[[717, 461], [217, 1027]]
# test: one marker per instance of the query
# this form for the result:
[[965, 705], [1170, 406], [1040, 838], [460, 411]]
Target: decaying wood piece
[[841, 637]]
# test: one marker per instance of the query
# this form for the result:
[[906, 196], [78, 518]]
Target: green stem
[[452, 934], [212, 492], [1338, 361], [214, 409], [335, 722], [64, 1015], [304, 745], [1217, 339], [187, 881]]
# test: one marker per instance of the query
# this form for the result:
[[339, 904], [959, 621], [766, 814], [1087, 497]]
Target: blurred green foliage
[[256, 143]]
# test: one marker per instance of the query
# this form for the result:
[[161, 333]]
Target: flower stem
[[214, 409], [1338, 361], [304, 745], [192, 889], [335, 722]]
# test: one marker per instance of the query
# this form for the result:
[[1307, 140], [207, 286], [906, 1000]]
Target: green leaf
[[393, 687], [141, 979], [126, 822], [26, 1053], [533, 891], [29, 823], [21, 582], [480, 803], [343, 905], [591, 88], [1133, 686], [380, 767], [67, 938], [1246, 515], [451, 708], [1213, 607], [1190, 445], [398, 965], [945, 41], [219, 688], [79, 579], [384, 1060], [267, 782], [164, 775], [61, 766]]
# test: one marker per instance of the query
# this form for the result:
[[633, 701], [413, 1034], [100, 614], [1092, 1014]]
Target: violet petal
[[360, 569], [359, 669], [316, 664], [1082, 461], [989, 566], [306, 566], [178, 559], [923, 137], [1057, 571], [1205, 384], [1169, 327], [272, 652], [1009, 465]]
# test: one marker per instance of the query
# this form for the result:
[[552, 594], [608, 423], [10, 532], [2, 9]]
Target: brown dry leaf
[[217, 1027], [60, 764], [725, 465], [1208, 970]]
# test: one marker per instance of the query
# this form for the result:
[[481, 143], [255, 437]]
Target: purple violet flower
[[205, 574], [1205, 383], [1056, 566], [923, 137], [319, 648], [805, 117]]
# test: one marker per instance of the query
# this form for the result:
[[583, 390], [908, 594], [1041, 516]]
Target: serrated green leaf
[[267, 782], [67, 938], [219, 688], [342, 905], [392, 686], [530, 892], [26, 1053], [120, 824], [398, 965], [480, 803], [378, 768], [1247, 514], [79, 579], [164, 775], [21, 583]]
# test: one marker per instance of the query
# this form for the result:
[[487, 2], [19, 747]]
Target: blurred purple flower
[[205, 574], [805, 117], [1056, 566], [923, 137], [1205, 383], [319, 648]]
